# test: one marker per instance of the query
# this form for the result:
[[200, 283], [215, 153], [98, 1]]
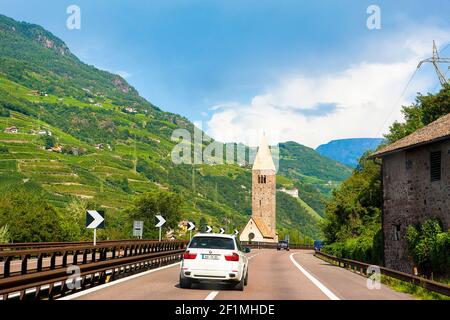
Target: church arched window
[[264, 179]]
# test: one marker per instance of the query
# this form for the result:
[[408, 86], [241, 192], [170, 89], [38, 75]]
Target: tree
[[34, 220], [49, 141], [429, 247], [149, 204]]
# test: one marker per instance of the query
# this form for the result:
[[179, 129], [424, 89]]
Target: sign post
[[190, 228], [208, 229], [138, 229], [159, 224], [236, 231], [95, 219], [222, 230]]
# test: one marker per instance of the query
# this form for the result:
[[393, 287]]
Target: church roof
[[263, 160], [261, 225]]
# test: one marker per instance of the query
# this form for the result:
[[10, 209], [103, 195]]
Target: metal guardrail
[[272, 245], [35, 245], [361, 267], [43, 272]]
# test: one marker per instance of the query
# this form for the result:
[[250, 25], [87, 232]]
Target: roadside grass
[[414, 290], [402, 286]]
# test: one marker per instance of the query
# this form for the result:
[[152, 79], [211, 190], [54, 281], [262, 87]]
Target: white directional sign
[[222, 230], [208, 229], [191, 226], [236, 231], [138, 228], [95, 219], [160, 222]]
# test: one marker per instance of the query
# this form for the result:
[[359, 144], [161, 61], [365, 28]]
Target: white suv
[[214, 257]]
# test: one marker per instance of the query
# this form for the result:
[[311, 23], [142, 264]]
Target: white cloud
[[361, 100]]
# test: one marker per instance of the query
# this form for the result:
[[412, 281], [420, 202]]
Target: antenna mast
[[435, 59]]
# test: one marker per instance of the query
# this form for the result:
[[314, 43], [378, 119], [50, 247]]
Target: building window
[[264, 179], [435, 165], [397, 228]]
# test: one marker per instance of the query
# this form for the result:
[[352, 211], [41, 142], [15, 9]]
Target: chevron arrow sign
[[95, 219]]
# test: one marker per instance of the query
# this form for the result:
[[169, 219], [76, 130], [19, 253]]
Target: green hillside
[[86, 135]]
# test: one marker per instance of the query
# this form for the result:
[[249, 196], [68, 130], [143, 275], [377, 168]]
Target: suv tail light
[[188, 255], [233, 257]]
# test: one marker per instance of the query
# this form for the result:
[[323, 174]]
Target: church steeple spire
[[263, 160]]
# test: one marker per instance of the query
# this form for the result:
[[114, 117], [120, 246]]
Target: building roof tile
[[435, 131]]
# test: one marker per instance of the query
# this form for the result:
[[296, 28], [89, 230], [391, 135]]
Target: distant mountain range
[[348, 151]]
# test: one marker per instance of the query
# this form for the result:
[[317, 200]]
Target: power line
[[442, 77], [398, 100]]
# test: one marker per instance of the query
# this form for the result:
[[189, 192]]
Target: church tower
[[262, 224]]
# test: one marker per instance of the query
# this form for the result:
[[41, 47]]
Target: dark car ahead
[[283, 244]]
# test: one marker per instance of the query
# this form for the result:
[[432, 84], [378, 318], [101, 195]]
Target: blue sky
[[242, 66]]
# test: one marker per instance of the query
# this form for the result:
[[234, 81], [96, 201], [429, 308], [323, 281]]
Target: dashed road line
[[318, 284], [212, 295]]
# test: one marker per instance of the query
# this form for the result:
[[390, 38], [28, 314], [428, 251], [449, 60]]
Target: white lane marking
[[318, 284], [109, 284], [212, 295]]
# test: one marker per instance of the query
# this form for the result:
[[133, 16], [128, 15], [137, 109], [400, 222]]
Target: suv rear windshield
[[212, 243]]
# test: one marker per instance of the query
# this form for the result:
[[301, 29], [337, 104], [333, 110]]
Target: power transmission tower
[[435, 60]]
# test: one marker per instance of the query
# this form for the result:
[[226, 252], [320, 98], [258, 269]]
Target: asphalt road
[[293, 275]]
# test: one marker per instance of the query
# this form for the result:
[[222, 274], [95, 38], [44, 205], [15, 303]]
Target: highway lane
[[273, 275], [344, 283]]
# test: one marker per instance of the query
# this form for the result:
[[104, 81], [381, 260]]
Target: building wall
[[251, 228], [264, 198], [410, 197]]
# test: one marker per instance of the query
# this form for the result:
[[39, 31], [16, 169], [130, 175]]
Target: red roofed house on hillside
[[416, 187]]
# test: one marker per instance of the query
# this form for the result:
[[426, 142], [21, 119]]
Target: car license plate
[[211, 256]]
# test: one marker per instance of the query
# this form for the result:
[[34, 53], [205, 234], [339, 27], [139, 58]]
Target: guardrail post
[[53, 260], [7, 267], [24, 264], [75, 257], [39, 262]]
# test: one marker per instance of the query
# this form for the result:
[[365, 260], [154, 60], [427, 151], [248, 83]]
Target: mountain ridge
[[348, 151]]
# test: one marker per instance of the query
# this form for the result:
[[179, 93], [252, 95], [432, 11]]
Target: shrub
[[429, 247]]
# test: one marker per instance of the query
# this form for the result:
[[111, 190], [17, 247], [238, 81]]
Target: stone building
[[416, 187], [262, 223]]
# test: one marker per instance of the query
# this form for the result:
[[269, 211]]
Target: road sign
[[222, 230], [160, 223], [236, 231], [208, 229], [138, 228], [191, 226], [95, 219]]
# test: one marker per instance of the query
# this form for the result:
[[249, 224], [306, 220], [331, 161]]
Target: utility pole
[[435, 60]]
